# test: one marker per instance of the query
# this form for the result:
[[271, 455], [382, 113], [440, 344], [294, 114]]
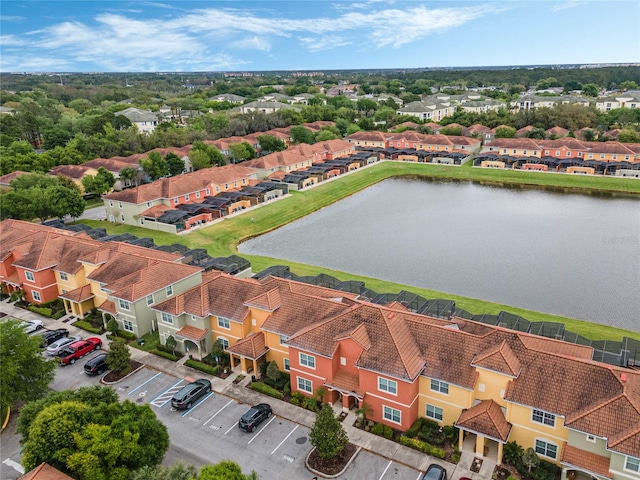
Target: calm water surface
[[567, 254]]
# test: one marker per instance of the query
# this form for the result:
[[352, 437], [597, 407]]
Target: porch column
[[255, 366], [480, 445], [460, 439], [500, 446]]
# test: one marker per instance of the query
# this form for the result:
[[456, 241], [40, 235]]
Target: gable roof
[[485, 418], [499, 358]]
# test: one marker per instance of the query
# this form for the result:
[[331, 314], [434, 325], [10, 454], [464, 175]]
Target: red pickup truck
[[74, 351]]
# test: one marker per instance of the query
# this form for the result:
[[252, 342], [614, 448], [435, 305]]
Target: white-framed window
[[546, 449], [169, 290], [287, 365], [36, 296], [392, 414], [128, 325], [111, 203], [343, 361], [305, 385], [439, 386], [386, 385], [431, 411], [591, 438], [217, 188], [124, 304], [186, 197], [29, 276], [122, 217], [198, 194], [149, 204], [632, 464], [545, 418], [207, 191], [224, 323], [175, 200], [64, 276], [224, 342], [308, 360], [119, 204], [150, 299], [283, 339], [167, 318]]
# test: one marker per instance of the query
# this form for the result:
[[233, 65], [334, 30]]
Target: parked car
[[435, 472], [96, 365], [58, 345], [78, 349], [31, 326], [254, 417], [50, 336], [190, 393]]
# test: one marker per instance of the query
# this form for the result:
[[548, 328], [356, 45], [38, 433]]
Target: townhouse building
[[144, 120], [531, 102], [629, 99]]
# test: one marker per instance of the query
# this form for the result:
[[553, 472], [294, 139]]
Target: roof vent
[[391, 315], [623, 377]]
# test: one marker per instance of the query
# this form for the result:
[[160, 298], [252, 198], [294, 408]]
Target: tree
[[129, 175], [239, 152], [505, 132], [199, 159], [100, 183], [101, 440], [113, 327], [300, 134], [273, 372], [178, 471], [154, 166], [327, 434], [627, 135], [269, 143], [590, 90], [530, 459], [174, 163], [171, 343], [24, 372], [224, 470], [119, 358]]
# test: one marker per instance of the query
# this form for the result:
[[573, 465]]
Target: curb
[[324, 475], [6, 420], [142, 365]]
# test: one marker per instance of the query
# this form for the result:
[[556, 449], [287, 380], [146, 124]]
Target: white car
[[58, 345], [31, 326]]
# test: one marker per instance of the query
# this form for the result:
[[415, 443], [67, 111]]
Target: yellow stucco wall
[[452, 404], [491, 385]]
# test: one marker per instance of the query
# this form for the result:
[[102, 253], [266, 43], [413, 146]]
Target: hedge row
[[166, 355], [266, 389], [424, 447], [203, 367], [47, 312], [87, 326], [122, 334]]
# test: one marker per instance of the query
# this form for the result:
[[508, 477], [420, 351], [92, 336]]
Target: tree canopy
[[327, 434]]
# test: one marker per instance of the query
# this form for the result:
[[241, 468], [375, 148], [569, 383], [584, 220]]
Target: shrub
[[59, 314], [166, 355], [203, 367], [311, 404], [113, 327], [87, 326], [298, 397], [422, 446], [270, 382], [126, 335], [41, 310], [287, 389], [266, 389], [512, 453], [273, 372], [382, 430], [295, 401]]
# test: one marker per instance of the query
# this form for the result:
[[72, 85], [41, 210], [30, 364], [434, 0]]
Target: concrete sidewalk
[[240, 392]]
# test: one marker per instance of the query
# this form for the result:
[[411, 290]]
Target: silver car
[[31, 326], [58, 345]]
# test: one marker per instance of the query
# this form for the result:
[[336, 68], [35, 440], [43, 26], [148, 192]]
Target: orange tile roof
[[44, 471], [252, 347], [6, 179], [346, 382], [499, 358], [109, 307], [485, 418], [591, 462], [266, 301], [192, 333], [78, 294]]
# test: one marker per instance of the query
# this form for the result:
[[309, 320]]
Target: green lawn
[[221, 239]]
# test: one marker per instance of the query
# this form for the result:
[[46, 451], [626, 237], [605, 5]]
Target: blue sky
[[161, 36]]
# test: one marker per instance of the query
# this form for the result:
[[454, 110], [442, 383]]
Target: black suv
[[96, 365], [50, 336], [254, 417], [435, 472], [190, 393]]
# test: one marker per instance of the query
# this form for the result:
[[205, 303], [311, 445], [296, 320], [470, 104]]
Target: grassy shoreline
[[222, 239]]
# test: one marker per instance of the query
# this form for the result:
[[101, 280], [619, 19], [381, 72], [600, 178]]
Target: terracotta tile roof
[[156, 211], [558, 131], [499, 358], [6, 179], [267, 301], [569, 142], [75, 172], [358, 335], [591, 462], [517, 143], [79, 294], [252, 347], [487, 419], [346, 382], [611, 147], [395, 305], [372, 136], [192, 333], [44, 471], [109, 307], [549, 345], [45, 250]]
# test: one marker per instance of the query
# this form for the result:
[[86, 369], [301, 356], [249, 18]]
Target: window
[[122, 217], [224, 323], [287, 365], [591, 438], [167, 318], [305, 385], [388, 386], [632, 464], [543, 417], [434, 412], [343, 361], [224, 342], [186, 197], [391, 414], [124, 304], [150, 299], [175, 200], [36, 296], [169, 290], [438, 386], [546, 449], [30, 276], [207, 191], [307, 360], [120, 204], [283, 339], [111, 203], [128, 326], [64, 276], [198, 194]]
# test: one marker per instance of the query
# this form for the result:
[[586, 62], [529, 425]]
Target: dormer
[[496, 366]]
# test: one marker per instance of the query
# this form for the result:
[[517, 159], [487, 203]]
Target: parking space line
[[261, 430], [212, 416], [385, 470], [231, 428], [419, 476], [194, 407], [165, 397], [285, 439], [143, 384]]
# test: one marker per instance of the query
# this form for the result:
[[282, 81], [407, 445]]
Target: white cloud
[[11, 41], [565, 5], [252, 43], [316, 44], [11, 18]]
